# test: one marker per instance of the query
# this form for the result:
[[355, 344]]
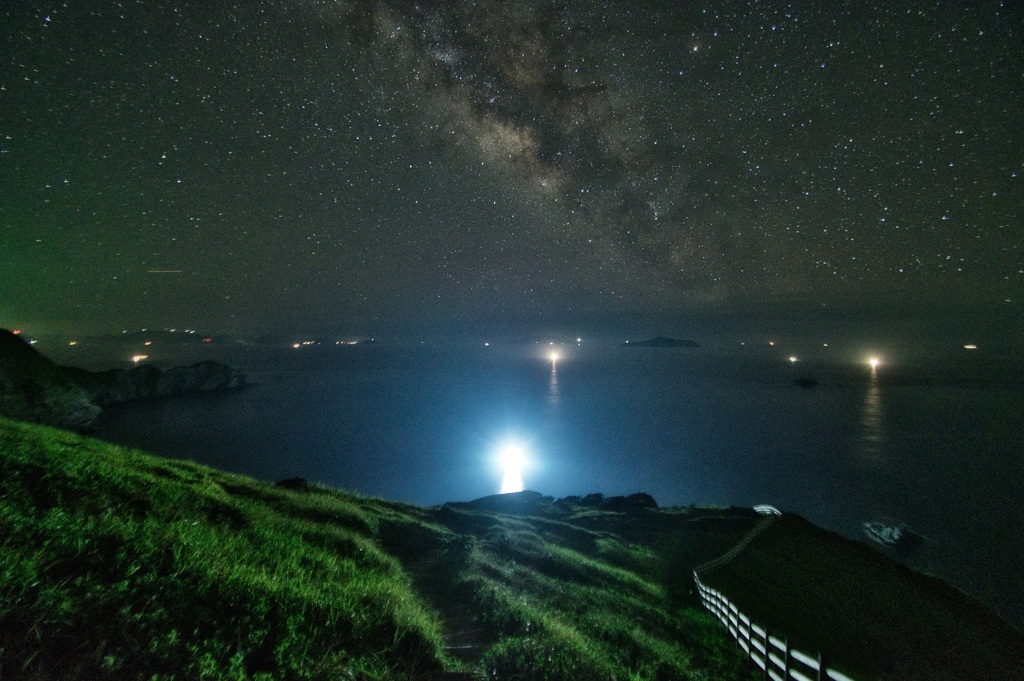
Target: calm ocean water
[[945, 458]]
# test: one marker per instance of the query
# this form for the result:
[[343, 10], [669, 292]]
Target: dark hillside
[[878, 616], [33, 388]]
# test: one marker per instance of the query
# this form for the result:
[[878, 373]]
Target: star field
[[390, 165]]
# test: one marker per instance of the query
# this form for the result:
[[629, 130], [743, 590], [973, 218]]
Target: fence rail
[[774, 655]]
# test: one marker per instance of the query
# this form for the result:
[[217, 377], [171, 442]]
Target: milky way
[[373, 163]]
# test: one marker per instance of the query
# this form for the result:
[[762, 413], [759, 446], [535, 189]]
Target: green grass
[[118, 564], [115, 564]]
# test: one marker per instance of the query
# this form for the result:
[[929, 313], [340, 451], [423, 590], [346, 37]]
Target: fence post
[[750, 647]]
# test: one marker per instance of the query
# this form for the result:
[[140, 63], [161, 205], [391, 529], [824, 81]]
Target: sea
[[936, 447]]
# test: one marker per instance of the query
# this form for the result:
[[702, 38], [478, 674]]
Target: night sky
[[394, 166]]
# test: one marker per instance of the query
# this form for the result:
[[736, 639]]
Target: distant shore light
[[874, 362], [970, 346], [792, 360], [554, 356]]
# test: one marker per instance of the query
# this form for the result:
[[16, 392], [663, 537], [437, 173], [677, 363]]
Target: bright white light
[[793, 360], [139, 358], [874, 362], [554, 356], [512, 457]]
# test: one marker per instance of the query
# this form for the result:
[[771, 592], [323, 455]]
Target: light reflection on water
[[553, 397], [511, 481], [872, 449], [513, 460]]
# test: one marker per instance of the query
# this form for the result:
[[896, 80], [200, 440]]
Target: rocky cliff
[[147, 381], [32, 388]]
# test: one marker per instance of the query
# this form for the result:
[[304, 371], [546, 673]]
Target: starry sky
[[380, 166]]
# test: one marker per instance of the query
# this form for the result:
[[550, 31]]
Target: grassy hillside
[[117, 564]]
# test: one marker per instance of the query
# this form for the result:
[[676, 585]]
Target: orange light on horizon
[[139, 358]]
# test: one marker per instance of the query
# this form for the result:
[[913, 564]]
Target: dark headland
[[33, 388]]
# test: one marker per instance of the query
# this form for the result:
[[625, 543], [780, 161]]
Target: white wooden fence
[[776, 658], [772, 654]]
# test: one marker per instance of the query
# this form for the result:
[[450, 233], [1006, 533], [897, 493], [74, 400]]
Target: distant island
[[663, 342], [33, 388]]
